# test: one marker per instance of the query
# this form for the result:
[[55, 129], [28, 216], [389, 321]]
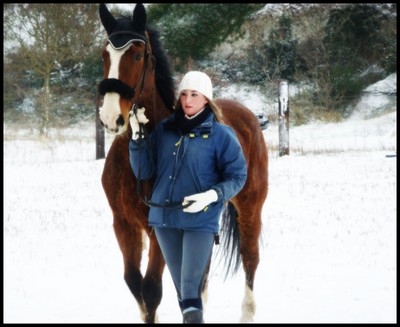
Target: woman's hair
[[216, 110], [212, 105]]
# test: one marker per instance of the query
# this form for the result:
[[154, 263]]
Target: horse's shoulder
[[228, 105], [235, 113], [223, 102]]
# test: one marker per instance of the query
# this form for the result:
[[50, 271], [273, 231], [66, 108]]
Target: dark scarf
[[186, 125]]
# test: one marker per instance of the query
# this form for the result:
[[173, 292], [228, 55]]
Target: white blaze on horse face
[[110, 111]]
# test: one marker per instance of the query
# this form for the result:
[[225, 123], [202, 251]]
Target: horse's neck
[[156, 110]]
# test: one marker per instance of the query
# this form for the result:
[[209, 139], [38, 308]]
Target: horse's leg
[[204, 287], [130, 242], [249, 228], [152, 281]]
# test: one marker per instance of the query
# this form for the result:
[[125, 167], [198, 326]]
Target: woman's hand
[[135, 120], [200, 201]]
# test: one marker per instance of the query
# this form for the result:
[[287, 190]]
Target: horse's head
[[128, 67]]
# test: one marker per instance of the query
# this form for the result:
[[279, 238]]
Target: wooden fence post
[[283, 118], [100, 152]]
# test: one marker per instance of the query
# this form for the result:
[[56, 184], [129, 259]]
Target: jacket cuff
[[219, 193]]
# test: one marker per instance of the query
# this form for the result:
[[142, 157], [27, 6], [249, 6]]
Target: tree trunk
[[100, 152]]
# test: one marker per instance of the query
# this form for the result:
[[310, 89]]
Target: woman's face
[[192, 102]]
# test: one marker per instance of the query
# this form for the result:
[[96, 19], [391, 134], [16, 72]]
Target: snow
[[328, 248]]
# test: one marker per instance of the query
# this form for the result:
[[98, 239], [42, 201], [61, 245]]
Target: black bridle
[[127, 92], [123, 89]]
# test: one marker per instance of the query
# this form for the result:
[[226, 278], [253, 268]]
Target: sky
[[329, 238]]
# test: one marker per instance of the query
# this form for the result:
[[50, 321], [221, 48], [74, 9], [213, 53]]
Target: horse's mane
[[164, 81]]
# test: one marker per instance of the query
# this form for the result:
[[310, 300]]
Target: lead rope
[[175, 205], [143, 137]]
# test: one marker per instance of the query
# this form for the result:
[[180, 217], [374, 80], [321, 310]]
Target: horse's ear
[[139, 18], [107, 19]]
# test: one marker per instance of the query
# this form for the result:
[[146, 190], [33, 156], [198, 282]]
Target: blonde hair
[[216, 110]]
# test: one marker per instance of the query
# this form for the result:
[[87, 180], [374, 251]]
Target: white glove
[[200, 201], [135, 120]]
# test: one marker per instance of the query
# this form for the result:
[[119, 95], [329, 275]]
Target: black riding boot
[[193, 317]]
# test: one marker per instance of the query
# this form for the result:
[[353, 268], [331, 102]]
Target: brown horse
[[137, 73]]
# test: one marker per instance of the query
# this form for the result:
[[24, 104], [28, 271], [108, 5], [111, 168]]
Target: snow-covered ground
[[328, 250]]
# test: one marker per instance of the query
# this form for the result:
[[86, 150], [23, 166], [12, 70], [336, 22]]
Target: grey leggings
[[187, 254]]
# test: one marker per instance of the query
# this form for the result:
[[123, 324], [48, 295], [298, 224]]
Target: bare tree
[[50, 37]]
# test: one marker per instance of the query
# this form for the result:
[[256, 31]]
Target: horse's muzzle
[[119, 128]]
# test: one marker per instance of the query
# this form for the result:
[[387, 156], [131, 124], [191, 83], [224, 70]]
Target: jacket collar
[[204, 128]]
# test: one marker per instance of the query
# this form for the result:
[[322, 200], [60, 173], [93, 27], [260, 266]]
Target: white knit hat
[[197, 81]]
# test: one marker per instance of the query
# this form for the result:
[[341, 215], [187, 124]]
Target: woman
[[198, 164]]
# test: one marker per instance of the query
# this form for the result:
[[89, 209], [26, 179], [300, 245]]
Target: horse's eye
[[138, 56]]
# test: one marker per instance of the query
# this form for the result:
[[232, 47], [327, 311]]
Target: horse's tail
[[230, 239]]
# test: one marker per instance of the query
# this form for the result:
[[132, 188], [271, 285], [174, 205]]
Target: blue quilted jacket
[[210, 156]]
